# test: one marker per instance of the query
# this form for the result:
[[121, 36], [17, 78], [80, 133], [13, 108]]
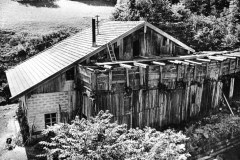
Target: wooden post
[[127, 77], [229, 67], [160, 74], [144, 39], [178, 72], [121, 49], [141, 74], [110, 80], [206, 75], [194, 72], [231, 88]]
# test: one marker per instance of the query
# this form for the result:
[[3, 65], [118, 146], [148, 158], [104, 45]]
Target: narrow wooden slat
[[110, 81], [107, 66], [204, 60], [175, 62], [127, 77], [140, 64], [216, 58], [126, 66], [159, 63], [193, 62], [227, 56]]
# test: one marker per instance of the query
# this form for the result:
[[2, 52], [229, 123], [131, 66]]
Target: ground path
[[9, 128]]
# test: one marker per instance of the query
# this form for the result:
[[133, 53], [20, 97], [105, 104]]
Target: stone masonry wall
[[40, 104]]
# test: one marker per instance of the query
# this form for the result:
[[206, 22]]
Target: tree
[[201, 24], [206, 7], [99, 139], [5, 92], [151, 10]]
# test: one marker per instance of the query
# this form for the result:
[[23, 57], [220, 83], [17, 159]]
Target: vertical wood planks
[[149, 105]]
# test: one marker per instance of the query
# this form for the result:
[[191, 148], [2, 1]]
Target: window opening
[[70, 74], [50, 119]]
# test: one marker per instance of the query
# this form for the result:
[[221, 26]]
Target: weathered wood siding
[[160, 95], [150, 43]]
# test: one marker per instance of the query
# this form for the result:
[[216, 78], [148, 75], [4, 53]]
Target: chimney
[[93, 33]]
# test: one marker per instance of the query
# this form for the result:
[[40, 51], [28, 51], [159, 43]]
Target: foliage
[[151, 10], [5, 92], [180, 12], [97, 138], [211, 130], [206, 7], [202, 24], [211, 33]]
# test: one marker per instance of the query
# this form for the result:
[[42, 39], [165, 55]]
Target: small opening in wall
[[193, 98], [50, 119], [164, 42], [70, 74]]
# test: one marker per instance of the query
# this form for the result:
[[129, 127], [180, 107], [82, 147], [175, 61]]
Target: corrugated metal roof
[[48, 63]]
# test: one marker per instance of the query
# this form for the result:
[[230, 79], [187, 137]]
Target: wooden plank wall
[[158, 98], [151, 43]]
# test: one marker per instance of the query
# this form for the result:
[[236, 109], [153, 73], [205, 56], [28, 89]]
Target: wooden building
[[144, 76]]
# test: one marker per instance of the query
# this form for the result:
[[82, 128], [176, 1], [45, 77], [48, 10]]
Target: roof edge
[[170, 37]]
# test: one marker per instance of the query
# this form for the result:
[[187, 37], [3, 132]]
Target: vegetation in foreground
[[98, 138]]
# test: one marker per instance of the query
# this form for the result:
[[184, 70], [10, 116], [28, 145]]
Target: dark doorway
[[236, 91], [226, 86], [116, 51], [136, 45]]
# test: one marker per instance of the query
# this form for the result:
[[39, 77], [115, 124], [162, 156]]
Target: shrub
[[97, 138], [211, 130]]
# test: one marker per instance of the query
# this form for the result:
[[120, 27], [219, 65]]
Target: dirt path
[[9, 128]]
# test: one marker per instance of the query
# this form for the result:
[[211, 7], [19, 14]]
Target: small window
[[50, 119], [164, 43], [70, 74]]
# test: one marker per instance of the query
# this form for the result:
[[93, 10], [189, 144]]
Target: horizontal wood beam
[[126, 66], [223, 57], [193, 62], [159, 63], [200, 57], [203, 60], [235, 55], [228, 57], [182, 62], [175, 62], [216, 58], [107, 66], [140, 64]]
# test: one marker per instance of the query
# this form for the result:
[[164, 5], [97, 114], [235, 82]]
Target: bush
[[211, 130], [153, 11], [97, 138]]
